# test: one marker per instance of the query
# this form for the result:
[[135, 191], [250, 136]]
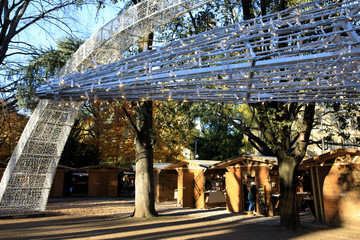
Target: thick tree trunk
[[144, 180], [144, 177], [247, 9], [289, 215], [276, 122]]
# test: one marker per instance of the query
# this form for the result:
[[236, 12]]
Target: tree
[[104, 135], [174, 129], [281, 129], [11, 126], [105, 127], [15, 18], [219, 140], [40, 67], [142, 125], [77, 152], [285, 132]]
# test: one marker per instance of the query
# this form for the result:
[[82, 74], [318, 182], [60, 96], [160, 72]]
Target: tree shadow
[[173, 222], [164, 227]]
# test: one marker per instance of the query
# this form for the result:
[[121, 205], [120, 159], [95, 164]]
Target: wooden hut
[[62, 182], [335, 178], [165, 182], [192, 190], [241, 171], [103, 180]]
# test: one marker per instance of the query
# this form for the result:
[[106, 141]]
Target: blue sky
[[83, 21]]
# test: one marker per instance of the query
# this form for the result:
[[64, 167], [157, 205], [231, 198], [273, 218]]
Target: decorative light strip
[[308, 53]]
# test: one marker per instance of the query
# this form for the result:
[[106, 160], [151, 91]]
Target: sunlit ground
[[109, 219]]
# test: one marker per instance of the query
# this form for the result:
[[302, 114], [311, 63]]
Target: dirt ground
[[108, 218]]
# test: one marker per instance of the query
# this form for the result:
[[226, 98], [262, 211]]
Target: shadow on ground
[[180, 224]]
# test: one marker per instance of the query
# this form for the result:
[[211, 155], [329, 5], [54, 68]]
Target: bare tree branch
[[131, 121]]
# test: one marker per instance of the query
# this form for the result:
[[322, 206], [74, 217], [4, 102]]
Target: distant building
[[328, 134]]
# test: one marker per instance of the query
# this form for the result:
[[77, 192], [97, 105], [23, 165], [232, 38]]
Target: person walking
[[252, 196]]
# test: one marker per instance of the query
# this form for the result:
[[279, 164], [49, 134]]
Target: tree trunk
[[247, 9], [275, 120], [289, 214], [144, 179]]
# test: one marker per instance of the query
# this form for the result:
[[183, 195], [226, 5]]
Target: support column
[[27, 180]]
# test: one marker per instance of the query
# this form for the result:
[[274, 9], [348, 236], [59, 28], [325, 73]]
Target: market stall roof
[[158, 166], [344, 156], [161, 166], [193, 164], [102, 167], [246, 160], [66, 168]]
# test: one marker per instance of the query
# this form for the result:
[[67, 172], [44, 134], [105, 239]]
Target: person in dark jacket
[[252, 196]]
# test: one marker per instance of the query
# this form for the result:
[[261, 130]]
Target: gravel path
[[108, 218], [123, 207]]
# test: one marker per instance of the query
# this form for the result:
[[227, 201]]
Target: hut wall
[[166, 185], [156, 185], [318, 175], [234, 191], [185, 177], [57, 188], [341, 195], [262, 177], [180, 187], [185, 188], [103, 183], [199, 187]]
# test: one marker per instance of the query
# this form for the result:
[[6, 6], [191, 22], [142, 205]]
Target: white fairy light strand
[[291, 50]]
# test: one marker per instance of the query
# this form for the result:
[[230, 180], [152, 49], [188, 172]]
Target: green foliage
[[41, 67], [175, 128], [78, 153], [218, 140], [11, 127], [214, 14]]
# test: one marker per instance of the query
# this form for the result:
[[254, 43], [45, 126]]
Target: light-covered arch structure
[[27, 180], [308, 53], [114, 38]]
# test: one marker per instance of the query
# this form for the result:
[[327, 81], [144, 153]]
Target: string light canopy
[[308, 53], [114, 38]]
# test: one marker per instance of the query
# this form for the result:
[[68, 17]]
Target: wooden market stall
[[103, 180], [62, 182], [165, 182], [198, 185], [240, 172], [335, 186]]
